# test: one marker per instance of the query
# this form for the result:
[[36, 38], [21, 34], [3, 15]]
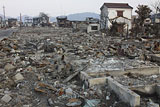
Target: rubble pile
[[39, 67], [130, 79], [35, 65], [116, 63]]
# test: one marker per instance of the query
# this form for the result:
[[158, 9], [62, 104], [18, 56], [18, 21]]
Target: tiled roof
[[117, 5]]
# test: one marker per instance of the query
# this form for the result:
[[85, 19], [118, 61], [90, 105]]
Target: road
[[6, 33]]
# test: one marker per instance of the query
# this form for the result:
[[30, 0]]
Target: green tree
[[143, 12]]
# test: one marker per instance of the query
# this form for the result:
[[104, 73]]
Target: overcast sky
[[59, 7]]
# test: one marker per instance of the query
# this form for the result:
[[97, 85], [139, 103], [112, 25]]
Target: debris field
[[40, 67]]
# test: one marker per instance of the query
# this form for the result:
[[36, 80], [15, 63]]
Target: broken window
[[94, 28], [120, 13]]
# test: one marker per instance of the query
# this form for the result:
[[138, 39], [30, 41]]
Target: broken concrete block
[[18, 77], [26, 106], [2, 54], [69, 91], [6, 98], [74, 103], [9, 67], [50, 102]]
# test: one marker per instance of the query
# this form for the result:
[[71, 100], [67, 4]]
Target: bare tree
[[156, 6]]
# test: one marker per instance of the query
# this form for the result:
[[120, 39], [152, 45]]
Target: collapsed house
[[120, 13]]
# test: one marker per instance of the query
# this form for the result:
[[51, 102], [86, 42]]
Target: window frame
[[120, 13]]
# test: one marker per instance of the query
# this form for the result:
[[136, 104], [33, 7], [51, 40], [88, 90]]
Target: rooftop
[[117, 5]]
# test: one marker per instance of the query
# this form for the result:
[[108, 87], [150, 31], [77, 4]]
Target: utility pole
[[4, 16]]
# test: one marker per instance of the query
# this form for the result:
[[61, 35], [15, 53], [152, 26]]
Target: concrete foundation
[[89, 76], [124, 94], [144, 71]]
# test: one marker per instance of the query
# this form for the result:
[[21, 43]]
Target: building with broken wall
[[93, 24], [62, 21], [116, 12], [12, 22], [28, 22], [42, 20]]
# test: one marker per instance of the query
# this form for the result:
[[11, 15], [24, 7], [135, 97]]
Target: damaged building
[[28, 22], [89, 25], [62, 21], [116, 12], [42, 20], [93, 24], [12, 22]]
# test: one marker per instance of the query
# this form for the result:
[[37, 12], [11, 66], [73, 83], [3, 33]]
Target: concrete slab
[[148, 89], [124, 94], [6, 98], [18, 77], [96, 81]]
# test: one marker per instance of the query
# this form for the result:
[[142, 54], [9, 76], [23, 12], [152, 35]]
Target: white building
[[116, 12]]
